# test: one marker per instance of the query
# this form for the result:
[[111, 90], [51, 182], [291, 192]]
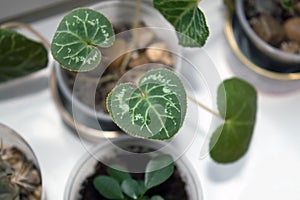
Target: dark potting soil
[[172, 189]]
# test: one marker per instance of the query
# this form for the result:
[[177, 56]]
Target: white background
[[10, 8], [270, 170]]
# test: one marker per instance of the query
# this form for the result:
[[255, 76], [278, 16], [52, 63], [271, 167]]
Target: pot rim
[[261, 44]]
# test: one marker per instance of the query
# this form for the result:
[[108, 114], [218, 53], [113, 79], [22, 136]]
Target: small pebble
[[34, 177], [156, 51], [116, 53], [144, 37], [140, 60], [167, 60], [268, 29], [290, 47], [292, 29]]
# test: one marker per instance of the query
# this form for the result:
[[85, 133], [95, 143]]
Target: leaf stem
[[134, 36], [9, 25], [204, 107]]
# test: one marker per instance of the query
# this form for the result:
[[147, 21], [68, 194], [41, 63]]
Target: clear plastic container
[[119, 146]]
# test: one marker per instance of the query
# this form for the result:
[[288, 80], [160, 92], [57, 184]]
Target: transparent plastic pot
[[120, 147]]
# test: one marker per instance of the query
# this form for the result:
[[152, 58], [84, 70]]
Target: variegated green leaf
[[78, 36], [188, 20], [20, 56], [155, 109]]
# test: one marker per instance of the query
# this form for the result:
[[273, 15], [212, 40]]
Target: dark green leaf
[[287, 4], [75, 42], [20, 56], [187, 19], [157, 197], [158, 170], [119, 173], [154, 110], [131, 188], [108, 187], [237, 103]]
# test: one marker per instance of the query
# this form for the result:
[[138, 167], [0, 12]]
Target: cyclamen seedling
[[120, 185], [155, 109], [76, 47]]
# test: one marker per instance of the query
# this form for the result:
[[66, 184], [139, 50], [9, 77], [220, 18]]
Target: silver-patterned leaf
[[155, 109], [78, 36], [188, 20]]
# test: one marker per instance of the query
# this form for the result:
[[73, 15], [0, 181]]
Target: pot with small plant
[[20, 175], [132, 168]]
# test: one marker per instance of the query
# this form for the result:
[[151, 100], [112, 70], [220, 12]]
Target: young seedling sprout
[[120, 185]]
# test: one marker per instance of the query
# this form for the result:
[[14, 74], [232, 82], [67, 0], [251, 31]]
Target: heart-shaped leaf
[[155, 109], [158, 170], [237, 104], [187, 19], [78, 36], [20, 56], [108, 187]]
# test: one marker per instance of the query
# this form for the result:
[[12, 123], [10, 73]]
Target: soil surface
[[25, 174]]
